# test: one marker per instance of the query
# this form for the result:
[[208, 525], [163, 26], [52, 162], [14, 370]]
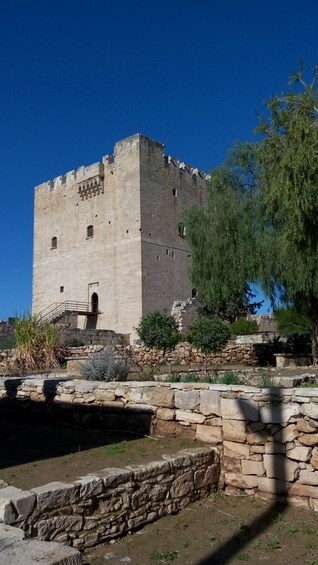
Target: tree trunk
[[313, 316]]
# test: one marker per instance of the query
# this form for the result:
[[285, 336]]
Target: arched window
[[94, 302], [54, 243], [90, 231]]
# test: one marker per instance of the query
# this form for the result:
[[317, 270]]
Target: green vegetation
[[209, 334], [227, 378], [8, 342], [159, 331], [164, 556], [106, 366], [38, 346], [290, 321], [261, 224], [242, 326]]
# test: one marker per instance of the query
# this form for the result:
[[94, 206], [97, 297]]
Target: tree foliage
[[289, 321], [242, 326], [261, 224], [210, 334], [158, 330]]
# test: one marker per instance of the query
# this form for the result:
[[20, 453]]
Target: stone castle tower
[[109, 243]]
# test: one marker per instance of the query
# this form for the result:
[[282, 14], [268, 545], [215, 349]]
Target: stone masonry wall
[[111, 502], [268, 438]]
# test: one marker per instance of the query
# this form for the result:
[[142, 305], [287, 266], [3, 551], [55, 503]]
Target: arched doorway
[[94, 302]]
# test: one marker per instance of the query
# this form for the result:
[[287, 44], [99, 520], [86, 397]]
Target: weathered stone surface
[[210, 402], [310, 410], [54, 495], [112, 476], [191, 417], [166, 428], [182, 485], [234, 430], [314, 458], [47, 529], [237, 450], [278, 413], [9, 535], [257, 438], [29, 552], [231, 464], [22, 501], [306, 426], [159, 396], [210, 434], [288, 433], [272, 486], [239, 409], [89, 486], [308, 439], [298, 489], [281, 468], [274, 447], [253, 468], [307, 477], [299, 453], [105, 395], [241, 481], [187, 400], [165, 414]]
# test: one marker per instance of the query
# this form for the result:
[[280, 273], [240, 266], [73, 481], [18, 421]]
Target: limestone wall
[[111, 502]]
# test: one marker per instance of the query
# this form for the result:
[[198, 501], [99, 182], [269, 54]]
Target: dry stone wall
[[268, 438], [111, 502]]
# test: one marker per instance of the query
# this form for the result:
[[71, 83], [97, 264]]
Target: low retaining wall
[[113, 501]]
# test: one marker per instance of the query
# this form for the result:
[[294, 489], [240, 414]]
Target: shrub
[[289, 321], [38, 346], [106, 366], [158, 330], [210, 334], [242, 326]]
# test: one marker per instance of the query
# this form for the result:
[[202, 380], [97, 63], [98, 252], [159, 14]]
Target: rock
[[299, 453], [307, 477], [165, 414], [278, 413], [286, 434], [298, 489], [237, 450], [54, 495], [210, 402], [159, 396], [253, 468], [308, 439], [239, 409], [191, 417], [281, 468], [210, 434], [187, 400], [313, 460], [305, 426], [22, 501], [29, 552], [234, 430]]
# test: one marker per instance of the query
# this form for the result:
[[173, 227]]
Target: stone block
[[54, 495], [49, 528], [231, 465], [159, 396], [143, 472], [281, 468], [236, 450], [234, 430], [239, 480], [29, 552], [307, 477], [252, 468], [89, 486], [166, 428], [272, 486], [278, 413], [257, 438], [187, 400], [165, 414], [9, 535], [210, 402], [286, 434], [306, 426], [182, 485], [112, 476], [313, 460], [22, 501], [308, 439], [191, 417], [239, 409], [298, 489], [272, 447], [105, 395], [310, 410], [299, 453], [210, 434]]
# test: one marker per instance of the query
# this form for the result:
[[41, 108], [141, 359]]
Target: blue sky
[[78, 76]]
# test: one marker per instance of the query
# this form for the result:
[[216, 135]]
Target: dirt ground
[[219, 530], [35, 452]]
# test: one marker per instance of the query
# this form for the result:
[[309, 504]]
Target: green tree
[[288, 184], [210, 334], [289, 321], [261, 224], [158, 330]]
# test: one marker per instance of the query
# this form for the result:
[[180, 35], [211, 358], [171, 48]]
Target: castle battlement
[[94, 173]]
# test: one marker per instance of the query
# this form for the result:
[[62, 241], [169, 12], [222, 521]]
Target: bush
[[106, 366], [159, 331], [210, 334], [38, 346], [289, 322], [242, 326]]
